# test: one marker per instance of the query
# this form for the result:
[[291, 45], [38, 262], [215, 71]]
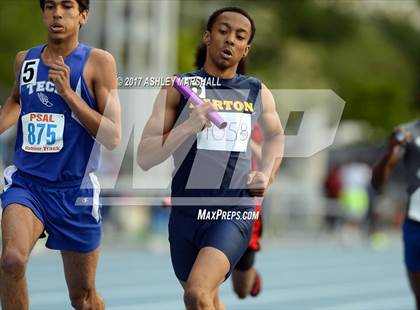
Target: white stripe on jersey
[[414, 206], [8, 173], [96, 192]]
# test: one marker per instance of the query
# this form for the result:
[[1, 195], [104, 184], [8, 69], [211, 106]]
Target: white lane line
[[282, 295], [381, 303]]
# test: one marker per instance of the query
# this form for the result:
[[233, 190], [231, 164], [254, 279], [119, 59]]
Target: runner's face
[[227, 42], [63, 18]]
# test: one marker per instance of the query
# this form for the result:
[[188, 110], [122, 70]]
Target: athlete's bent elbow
[[143, 163], [111, 144]]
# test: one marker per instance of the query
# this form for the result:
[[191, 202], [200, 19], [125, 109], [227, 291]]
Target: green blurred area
[[21, 28], [370, 60]]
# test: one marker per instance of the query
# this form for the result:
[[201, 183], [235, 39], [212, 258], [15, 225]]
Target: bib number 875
[[35, 136]]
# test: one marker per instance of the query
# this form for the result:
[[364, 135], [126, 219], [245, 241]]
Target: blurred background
[[366, 51]]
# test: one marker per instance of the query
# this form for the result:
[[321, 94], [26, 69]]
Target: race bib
[[43, 132], [233, 138]]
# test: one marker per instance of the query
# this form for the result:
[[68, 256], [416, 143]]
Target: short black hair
[[83, 4], [201, 52], [213, 17]]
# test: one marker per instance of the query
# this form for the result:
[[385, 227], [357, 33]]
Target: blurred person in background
[[246, 279], [59, 97], [332, 190], [354, 200], [404, 144], [205, 252]]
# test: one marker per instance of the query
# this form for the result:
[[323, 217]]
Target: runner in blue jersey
[[64, 101], [213, 173], [404, 144]]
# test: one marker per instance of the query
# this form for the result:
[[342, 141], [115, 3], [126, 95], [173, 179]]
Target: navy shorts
[[188, 235], [70, 227], [411, 237]]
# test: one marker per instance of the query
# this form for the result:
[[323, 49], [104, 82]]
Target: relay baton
[[187, 92]]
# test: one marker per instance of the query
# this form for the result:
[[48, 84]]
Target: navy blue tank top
[[214, 163], [51, 143]]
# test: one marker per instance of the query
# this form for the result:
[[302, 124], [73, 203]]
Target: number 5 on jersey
[[29, 71]]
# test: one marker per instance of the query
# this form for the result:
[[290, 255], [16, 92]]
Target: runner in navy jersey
[[213, 166], [404, 144], [64, 102], [246, 279]]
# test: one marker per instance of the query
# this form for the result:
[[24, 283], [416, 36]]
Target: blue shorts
[[411, 237], [187, 236], [70, 227]]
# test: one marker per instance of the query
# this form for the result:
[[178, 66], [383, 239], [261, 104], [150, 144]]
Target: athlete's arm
[[272, 148], [384, 168], [104, 124], [9, 112], [160, 139], [256, 150]]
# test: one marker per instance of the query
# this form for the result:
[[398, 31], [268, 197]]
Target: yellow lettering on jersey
[[228, 105]]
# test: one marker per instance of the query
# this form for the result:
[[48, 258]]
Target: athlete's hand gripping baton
[[187, 92]]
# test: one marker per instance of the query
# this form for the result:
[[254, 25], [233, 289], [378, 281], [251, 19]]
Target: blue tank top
[[51, 143], [215, 162]]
